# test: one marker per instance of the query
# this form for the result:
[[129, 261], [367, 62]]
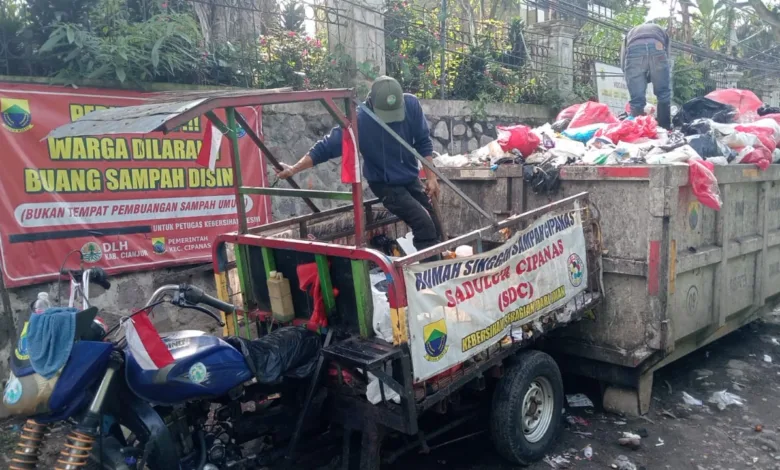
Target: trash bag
[[592, 113], [517, 137], [545, 181], [698, 108], [630, 130], [758, 155], [764, 110], [560, 125], [773, 116], [699, 126], [649, 109], [569, 112], [290, 352], [706, 145], [703, 183], [744, 101], [582, 134], [764, 134]]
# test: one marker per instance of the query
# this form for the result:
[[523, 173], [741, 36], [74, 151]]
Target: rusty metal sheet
[[140, 119]]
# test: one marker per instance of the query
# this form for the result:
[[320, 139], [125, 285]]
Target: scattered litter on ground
[[622, 463], [571, 419], [689, 400], [669, 414], [759, 428], [767, 358], [660, 442], [557, 461], [583, 434], [620, 423], [630, 440], [579, 400], [723, 399], [587, 452]]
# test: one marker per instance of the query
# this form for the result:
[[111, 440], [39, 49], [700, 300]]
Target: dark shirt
[[385, 160]]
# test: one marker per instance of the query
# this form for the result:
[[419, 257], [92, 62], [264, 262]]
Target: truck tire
[[527, 406]]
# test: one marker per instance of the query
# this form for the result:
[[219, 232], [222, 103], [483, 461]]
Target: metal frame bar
[[303, 193], [271, 158]]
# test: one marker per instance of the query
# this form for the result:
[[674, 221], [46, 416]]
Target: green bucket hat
[[387, 98]]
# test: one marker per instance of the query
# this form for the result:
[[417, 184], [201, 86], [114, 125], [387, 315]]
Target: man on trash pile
[[644, 59], [392, 172]]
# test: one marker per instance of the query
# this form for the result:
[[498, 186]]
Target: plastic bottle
[[42, 303]]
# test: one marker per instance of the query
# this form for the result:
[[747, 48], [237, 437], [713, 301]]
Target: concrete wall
[[290, 131]]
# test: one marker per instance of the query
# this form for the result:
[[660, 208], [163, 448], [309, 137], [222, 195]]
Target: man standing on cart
[[392, 172]]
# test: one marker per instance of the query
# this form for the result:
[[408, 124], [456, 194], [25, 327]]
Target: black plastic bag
[[764, 110], [699, 126], [560, 126], [701, 107], [542, 181], [290, 351]]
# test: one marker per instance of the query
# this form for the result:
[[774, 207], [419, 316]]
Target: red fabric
[[350, 163], [517, 137], [155, 347], [209, 150], [569, 112], [592, 113], [630, 130], [703, 183], [309, 280], [745, 101]]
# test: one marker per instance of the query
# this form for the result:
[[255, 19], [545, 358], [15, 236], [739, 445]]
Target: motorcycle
[[222, 403]]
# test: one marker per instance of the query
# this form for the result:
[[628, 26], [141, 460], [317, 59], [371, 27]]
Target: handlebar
[[96, 276], [196, 295], [189, 296]]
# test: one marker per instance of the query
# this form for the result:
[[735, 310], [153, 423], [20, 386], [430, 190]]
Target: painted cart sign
[[458, 308]]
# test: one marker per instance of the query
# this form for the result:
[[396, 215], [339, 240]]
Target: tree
[[710, 23], [769, 15], [293, 17]]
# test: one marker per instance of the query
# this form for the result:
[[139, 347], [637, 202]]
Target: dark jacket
[[646, 32], [385, 160]]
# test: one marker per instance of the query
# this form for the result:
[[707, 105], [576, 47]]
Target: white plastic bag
[[689, 400], [678, 155], [373, 395], [451, 161], [383, 328], [723, 399]]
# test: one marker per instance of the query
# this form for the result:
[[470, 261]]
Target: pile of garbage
[[726, 127]]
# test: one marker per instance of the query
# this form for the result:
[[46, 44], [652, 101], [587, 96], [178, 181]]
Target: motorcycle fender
[[142, 419]]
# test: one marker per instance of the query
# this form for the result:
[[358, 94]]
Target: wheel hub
[[538, 405]]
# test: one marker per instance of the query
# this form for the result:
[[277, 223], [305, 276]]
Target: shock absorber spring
[[75, 455], [28, 448]]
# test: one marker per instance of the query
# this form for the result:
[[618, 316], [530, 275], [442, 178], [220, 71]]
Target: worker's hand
[[432, 188], [287, 172]]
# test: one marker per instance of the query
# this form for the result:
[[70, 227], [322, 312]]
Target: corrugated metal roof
[[146, 118]]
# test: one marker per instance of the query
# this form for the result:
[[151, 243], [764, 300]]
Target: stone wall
[[456, 127], [290, 131]]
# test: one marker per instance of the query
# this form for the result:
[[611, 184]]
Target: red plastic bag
[[703, 183], [764, 134], [592, 113], [759, 156], [745, 101], [309, 281], [569, 112], [630, 130], [775, 117], [517, 137]]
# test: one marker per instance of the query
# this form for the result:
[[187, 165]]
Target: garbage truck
[[679, 275]]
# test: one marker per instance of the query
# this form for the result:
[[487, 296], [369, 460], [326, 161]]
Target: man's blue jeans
[[647, 63]]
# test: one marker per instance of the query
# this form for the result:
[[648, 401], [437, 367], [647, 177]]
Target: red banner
[[126, 202]]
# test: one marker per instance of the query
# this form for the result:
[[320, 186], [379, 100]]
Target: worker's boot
[[664, 114]]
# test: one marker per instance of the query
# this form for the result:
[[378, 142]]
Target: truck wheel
[[527, 406]]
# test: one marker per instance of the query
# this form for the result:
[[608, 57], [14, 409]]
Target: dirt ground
[[678, 436]]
